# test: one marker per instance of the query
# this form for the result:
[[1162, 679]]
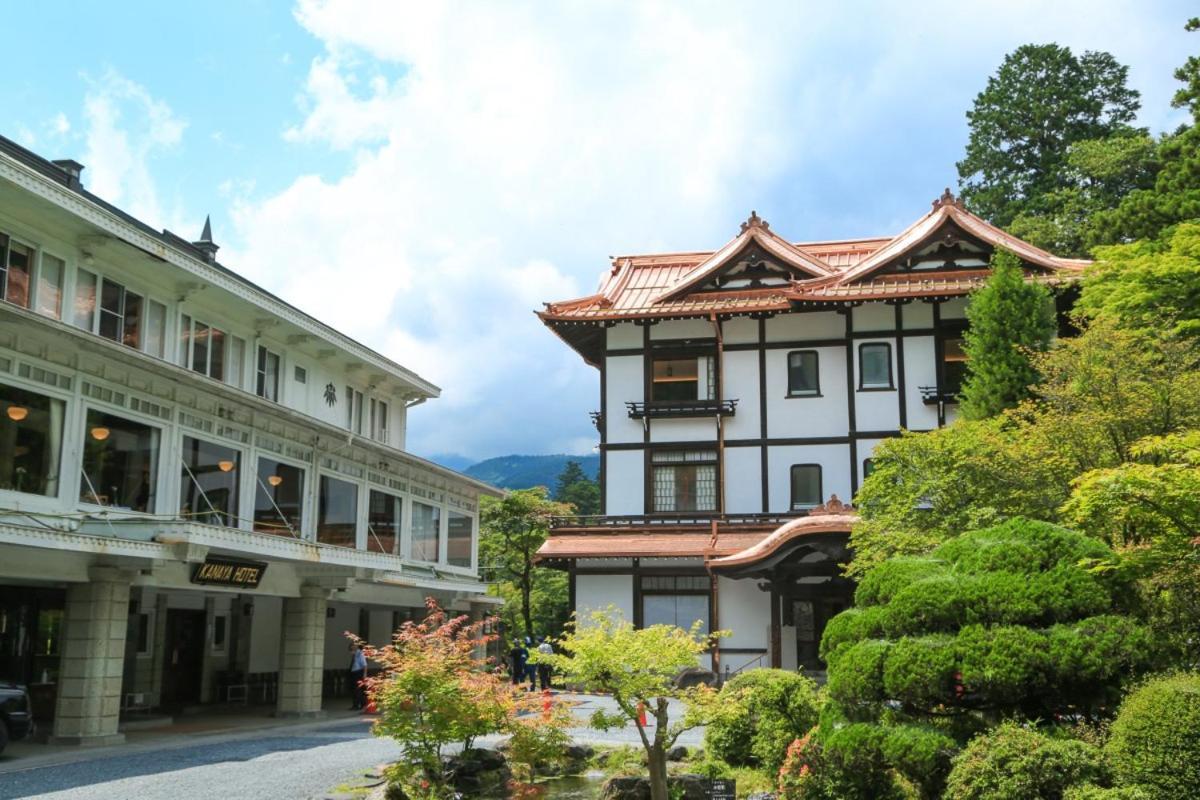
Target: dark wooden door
[[184, 658]]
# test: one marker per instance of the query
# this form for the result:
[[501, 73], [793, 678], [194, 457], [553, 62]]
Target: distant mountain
[[452, 461], [523, 472]]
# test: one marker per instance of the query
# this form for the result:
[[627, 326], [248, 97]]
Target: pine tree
[[1009, 319]]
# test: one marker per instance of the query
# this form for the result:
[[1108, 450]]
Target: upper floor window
[[677, 378], [208, 490], [354, 409], [803, 374], [16, 269], [31, 429], [49, 285], [120, 462], [383, 521], [458, 540], [379, 420], [107, 308], [337, 512], [278, 498], [426, 532], [210, 351], [267, 372], [806, 486], [954, 366], [683, 480], [875, 365]]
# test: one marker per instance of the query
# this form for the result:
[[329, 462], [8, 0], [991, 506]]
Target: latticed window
[[684, 480]]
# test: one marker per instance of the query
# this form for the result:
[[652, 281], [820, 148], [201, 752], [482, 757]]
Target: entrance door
[[810, 617], [184, 658]]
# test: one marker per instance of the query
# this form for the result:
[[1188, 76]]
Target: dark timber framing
[[762, 414]]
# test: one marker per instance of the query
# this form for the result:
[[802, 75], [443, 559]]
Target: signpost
[[722, 789], [229, 572]]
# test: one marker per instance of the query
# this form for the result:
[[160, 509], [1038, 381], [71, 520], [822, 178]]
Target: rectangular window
[[458, 540], [120, 462], [237, 356], [354, 410], [806, 486], [875, 365], [803, 374], [209, 482], [112, 310], [267, 384], [676, 379], [83, 307], [868, 467], [131, 329], [203, 348], [155, 329], [337, 512], [954, 366], [278, 498], [678, 610], [383, 522], [684, 480], [50, 285], [30, 441], [16, 266], [301, 374], [426, 532]]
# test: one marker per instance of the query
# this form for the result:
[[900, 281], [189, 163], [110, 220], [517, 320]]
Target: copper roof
[[671, 285]]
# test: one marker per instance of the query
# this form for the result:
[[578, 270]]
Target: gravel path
[[275, 764]]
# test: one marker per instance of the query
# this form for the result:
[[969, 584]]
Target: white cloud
[[124, 129], [59, 125], [499, 151]]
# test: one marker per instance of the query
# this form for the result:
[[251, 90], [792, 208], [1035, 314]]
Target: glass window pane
[[237, 352], [876, 365], [120, 462], [83, 309], [268, 374], [209, 482], [216, 354], [50, 283], [112, 296], [200, 336], [458, 541], [337, 512], [132, 328], [30, 441], [676, 379], [685, 487], [278, 498], [185, 340], [954, 366], [806, 486], [426, 532], [20, 264], [383, 522], [682, 610], [155, 332], [802, 373]]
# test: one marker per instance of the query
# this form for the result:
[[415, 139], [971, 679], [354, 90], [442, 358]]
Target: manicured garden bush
[[920, 671], [856, 674], [1155, 740], [1092, 792], [1014, 762], [774, 708]]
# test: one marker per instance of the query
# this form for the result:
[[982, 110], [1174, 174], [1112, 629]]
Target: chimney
[[72, 169], [205, 242]]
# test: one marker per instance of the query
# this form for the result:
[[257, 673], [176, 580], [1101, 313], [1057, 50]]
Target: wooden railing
[[670, 519], [681, 408]]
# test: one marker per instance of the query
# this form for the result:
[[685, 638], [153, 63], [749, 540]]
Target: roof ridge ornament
[[948, 199], [755, 221], [831, 506]]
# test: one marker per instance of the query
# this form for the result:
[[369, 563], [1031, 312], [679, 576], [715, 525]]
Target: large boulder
[[478, 771], [695, 676], [683, 787]]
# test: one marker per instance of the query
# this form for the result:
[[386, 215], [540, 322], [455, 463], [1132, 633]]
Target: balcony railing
[[681, 408], [932, 395], [671, 519]]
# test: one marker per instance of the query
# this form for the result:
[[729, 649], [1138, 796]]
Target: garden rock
[[683, 787], [677, 753], [478, 772], [695, 676]]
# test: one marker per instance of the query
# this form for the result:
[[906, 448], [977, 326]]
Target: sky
[[423, 176]]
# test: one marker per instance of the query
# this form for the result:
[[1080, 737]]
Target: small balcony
[[934, 395], [661, 409]]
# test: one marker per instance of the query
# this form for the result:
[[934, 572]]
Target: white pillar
[[302, 653]]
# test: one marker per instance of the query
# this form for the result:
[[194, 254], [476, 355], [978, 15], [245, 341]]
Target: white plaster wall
[[683, 329], [743, 480], [739, 330], [624, 381], [265, 625], [876, 410], [624, 334], [835, 471], [624, 482], [920, 369], [598, 592], [687, 429], [744, 611], [825, 415], [874, 317], [917, 315], [807, 325], [741, 384]]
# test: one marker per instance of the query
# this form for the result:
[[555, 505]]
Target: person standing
[[358, 671], [517, 657], [530, 667], [544, 648]]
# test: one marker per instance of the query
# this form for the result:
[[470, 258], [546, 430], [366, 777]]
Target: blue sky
[[423, 176]]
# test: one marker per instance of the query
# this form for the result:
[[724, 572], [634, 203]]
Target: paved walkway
[[232, 757]]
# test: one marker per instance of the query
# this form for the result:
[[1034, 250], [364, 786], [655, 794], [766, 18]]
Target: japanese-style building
[[742, 392]]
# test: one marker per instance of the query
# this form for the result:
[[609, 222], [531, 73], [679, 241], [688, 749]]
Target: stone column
[[92, 658], [302, 653]]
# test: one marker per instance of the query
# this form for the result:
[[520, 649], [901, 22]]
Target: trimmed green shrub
[[932, 605], [920, 671], [1155, 740], [1092, 792], [1020, 545], [853, 765], [850, 626], [880, 585], [858, 677], [774, 708], [1004, 664], [1014, 762], [922, 755]]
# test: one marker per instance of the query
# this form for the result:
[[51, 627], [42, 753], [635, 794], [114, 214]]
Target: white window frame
[[160, 479], [226, 346], [147, 298]]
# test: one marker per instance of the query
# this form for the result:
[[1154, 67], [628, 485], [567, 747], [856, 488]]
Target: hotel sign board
[[229, 572]]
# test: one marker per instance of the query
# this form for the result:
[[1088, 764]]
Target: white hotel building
[[201, 487], [742, 392]]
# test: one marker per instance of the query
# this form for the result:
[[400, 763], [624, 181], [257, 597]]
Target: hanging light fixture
[[100, 433], [275, 480], [225, 466], [17, 413]]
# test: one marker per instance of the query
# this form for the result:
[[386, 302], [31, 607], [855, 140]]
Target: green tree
[[511, 531], [1009, 319], [638, 668], [1042, 100], [577, 489]]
